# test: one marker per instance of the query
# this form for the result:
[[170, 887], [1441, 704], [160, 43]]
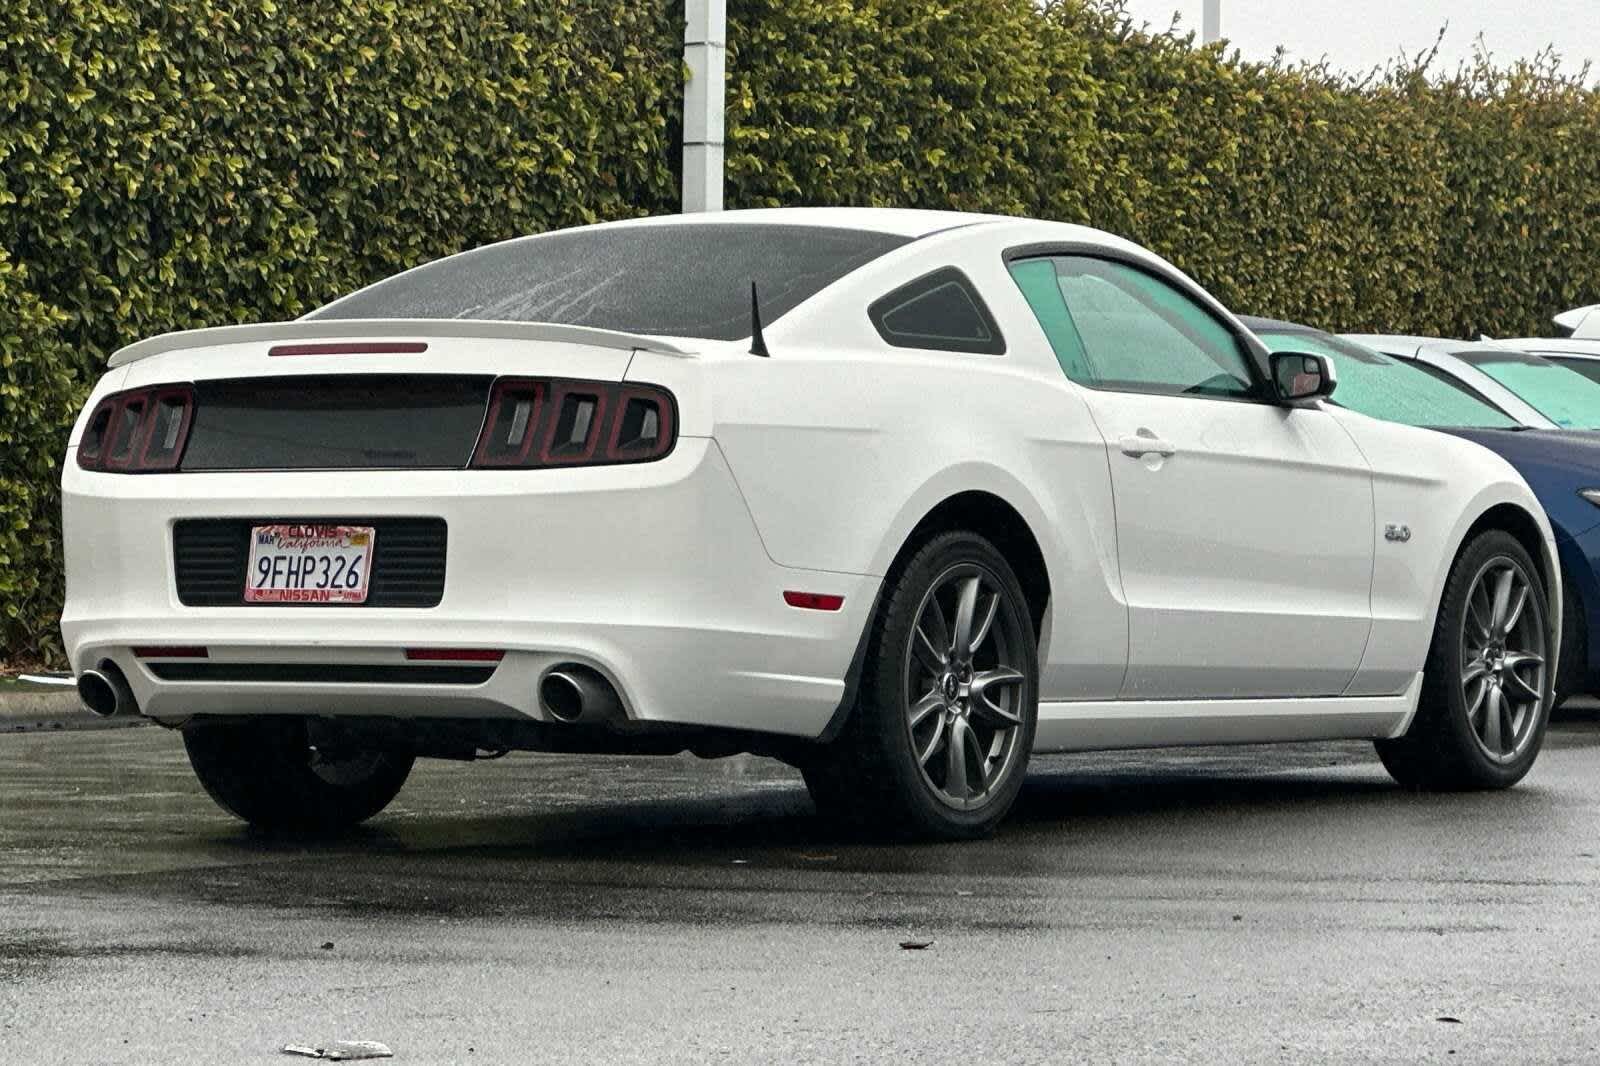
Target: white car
[[1524, 384], [1579, 350], [899, 497], [1580, 323]]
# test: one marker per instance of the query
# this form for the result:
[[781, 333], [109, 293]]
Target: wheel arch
[[992, 502], [990, 516], [1515, 520], [981, 511]]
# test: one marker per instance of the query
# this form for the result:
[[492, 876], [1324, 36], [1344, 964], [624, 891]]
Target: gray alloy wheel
[[1486, 686], [937, 743], [965, 723], [1503, 657]]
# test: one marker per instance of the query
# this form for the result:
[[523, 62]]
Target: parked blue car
[[1561, 466]]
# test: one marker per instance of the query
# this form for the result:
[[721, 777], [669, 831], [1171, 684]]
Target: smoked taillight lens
[[541, 422], [141, 431], [507, 436]]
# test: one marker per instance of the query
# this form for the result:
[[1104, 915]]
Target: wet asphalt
[[1216, 905]]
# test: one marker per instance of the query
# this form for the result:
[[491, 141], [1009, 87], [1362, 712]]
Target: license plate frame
[[309, 564]]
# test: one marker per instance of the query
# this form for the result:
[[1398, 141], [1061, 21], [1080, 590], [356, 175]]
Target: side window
[[941, 311], [1037, 279], [1114, 326]]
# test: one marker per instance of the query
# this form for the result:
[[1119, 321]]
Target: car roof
[[1393, 343], [1258, 324], [1577, 346], [911, 223], [1409, 344], [900, 221]]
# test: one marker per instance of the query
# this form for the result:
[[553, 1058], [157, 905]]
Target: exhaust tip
[[104, 691], [576, 694], [97, 693], [562, 696]]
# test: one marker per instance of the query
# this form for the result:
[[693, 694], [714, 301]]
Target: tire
[[1571, 675], [266, 772], [1479, 725], [871, 776]]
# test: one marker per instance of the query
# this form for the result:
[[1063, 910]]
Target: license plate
[[309, 564]]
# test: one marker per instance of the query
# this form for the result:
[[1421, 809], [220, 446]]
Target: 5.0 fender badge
[[1397, 532]]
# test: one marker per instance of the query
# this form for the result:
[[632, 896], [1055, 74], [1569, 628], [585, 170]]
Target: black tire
[[1442, 750], [1572, 674], [266, 772], [871, 776]]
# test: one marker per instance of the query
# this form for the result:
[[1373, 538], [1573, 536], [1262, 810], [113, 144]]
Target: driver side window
[[1116, 327]]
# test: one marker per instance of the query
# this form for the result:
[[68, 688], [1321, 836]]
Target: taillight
[[141, 431], [544, 422]]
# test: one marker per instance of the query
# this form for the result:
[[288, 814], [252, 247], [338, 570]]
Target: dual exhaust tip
[[579, 695], [571, 693], [104, 691]]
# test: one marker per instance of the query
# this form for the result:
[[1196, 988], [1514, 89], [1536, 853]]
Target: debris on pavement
[[327, 945], [915, 945], [342, 1051], [1448, 1020]]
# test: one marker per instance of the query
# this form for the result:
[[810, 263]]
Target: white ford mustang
[[899, 497]]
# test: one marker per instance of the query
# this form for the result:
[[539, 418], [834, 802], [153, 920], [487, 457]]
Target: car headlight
[[1592, 495]]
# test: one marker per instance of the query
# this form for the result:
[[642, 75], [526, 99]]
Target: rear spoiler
[[410, 328]]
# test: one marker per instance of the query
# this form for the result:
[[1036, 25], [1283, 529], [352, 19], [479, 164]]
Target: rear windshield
[[686, 280]]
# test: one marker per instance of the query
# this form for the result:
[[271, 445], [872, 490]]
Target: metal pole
[[1211, 22], [705, 53]]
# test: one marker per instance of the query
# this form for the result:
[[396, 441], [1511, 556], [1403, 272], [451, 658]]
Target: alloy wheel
[[1502, 659], [966, 692]]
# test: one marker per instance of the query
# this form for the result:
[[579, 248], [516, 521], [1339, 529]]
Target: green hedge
[[176, 163], [167, 164], [39, 396], [1451, 203]]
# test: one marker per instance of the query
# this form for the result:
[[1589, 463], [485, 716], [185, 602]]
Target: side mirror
[[1298, 376]]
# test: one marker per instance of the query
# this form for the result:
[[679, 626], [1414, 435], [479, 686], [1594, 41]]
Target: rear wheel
[[938, 742], [269, 772], [1486, 687]]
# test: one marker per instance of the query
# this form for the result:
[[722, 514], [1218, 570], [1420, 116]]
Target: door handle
[[1147, 443]]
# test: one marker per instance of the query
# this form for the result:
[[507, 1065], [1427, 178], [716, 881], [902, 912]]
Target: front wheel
[[1486, 688], [268, 772], [938, 742]]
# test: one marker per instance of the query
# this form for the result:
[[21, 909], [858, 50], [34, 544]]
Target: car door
[[1244, 528]]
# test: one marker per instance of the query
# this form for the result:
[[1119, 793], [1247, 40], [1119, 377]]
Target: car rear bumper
[[652, 574]]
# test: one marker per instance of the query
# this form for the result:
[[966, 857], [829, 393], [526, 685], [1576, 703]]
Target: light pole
[[1211, 22], [705, 53]]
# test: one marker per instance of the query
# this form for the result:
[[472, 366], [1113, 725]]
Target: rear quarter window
[[941, 311]]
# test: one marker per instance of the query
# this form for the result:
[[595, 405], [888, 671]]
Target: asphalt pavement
[[1215, 905]]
